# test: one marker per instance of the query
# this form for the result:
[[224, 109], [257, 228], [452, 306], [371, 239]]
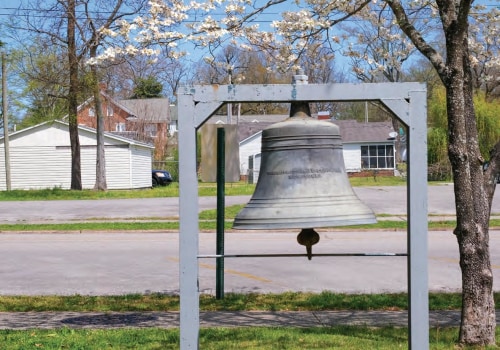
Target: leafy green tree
[[488, 125], [40, 84], [147, 88]]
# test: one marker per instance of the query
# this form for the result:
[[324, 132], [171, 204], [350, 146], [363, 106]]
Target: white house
[[367, 147], [40, 157], [250, 152]]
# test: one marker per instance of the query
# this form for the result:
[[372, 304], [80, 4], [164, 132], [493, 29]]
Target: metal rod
[[205, 256], [221, 181]]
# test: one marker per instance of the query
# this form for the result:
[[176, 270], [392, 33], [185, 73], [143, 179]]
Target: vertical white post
[[188, 225], [418, 312]]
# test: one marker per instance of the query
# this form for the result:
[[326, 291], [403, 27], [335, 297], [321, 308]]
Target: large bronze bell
[[302, 181]]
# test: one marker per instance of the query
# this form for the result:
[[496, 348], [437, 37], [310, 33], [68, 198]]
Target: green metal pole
[[221, 180]]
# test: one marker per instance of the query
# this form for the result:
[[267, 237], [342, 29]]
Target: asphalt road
[[383, 200], [119, 263]]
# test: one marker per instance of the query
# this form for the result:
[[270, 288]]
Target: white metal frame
[[408, 103]]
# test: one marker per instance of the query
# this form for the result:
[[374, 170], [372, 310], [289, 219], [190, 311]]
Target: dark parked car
[[161, 178]]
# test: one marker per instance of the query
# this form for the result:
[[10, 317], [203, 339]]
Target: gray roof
[[249, 125], [245, 130], [262, 118], [353, 131], [150, 109]]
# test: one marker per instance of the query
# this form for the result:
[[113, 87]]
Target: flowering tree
[[484, 45], [448, 48]]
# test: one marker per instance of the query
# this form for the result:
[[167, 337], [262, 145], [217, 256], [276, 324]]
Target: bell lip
[[252, 224]]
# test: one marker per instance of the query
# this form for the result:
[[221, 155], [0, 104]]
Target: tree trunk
[[472, 206], [100, 178], [76, 175]]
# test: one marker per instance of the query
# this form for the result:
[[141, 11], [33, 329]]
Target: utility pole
[[230, 105], [5, 124], [366, 111]]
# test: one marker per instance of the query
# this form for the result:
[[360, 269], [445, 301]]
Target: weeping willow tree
[[488, 125]]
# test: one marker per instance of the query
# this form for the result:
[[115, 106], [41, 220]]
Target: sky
[[7, 7]]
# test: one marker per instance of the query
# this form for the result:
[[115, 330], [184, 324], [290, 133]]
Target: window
[[110, 111], [377, 157], [120, 127], [91, 112], [150, 130]]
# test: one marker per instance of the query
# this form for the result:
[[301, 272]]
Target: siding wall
[[88, 164], [36, 167], [140, 162], [352, 157], [48, 167], [249, 147], [41, 158], [117, 167]]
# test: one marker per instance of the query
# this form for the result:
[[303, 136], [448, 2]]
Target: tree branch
[[416, 37], [492, 172]]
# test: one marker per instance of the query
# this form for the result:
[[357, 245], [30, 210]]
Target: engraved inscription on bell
[[301, 173]]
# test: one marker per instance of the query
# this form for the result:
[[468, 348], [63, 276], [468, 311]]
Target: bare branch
[[416, 37]]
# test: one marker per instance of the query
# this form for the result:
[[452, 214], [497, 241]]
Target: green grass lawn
[[338, 337], [207, 222], [204, 189], [255, 338]]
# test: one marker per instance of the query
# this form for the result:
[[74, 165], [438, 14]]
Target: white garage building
[[40, 157]]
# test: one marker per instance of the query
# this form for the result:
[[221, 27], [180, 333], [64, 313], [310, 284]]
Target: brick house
[[145, 120]]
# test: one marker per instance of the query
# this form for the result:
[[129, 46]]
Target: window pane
[[390, 150], [381, 163], [364, 151], [373, 162], [390, 162], [120, 127], [373, 150], [381, 151]]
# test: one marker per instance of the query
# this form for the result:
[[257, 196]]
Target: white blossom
[[173, 23]]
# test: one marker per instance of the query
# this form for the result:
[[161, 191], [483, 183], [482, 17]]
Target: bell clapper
[[308, 237]]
